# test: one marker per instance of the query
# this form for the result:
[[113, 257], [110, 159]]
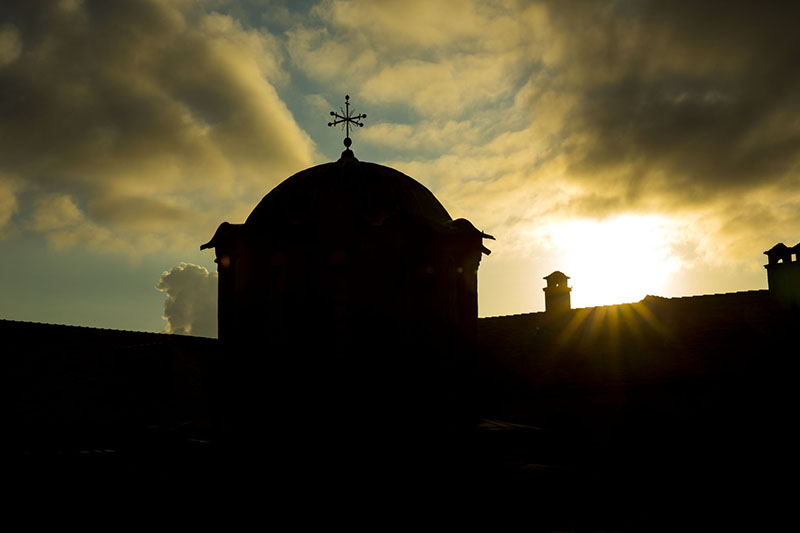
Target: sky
[[641, 147]]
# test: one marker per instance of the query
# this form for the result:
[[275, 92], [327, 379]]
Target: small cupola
[[556, 294], [783, 272]]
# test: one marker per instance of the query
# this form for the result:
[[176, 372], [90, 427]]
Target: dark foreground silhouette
[[353, 385], [699, 438]]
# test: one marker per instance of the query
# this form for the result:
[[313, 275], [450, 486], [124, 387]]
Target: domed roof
[[346, 188]]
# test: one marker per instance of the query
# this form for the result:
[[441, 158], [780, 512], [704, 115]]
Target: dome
[[350, 189]]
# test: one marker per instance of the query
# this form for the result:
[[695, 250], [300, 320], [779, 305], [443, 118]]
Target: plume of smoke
[[191, 304]]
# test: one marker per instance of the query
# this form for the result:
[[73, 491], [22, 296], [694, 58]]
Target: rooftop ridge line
[[651, 296]]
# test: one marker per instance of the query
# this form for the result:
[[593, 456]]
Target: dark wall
[[72, 386], [380, 323]]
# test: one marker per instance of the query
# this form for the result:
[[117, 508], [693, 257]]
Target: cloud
[[523, 114], [8, 200], [423, 27], [686, 101], [415, 53], [139, 126], [685, 109], [64, 224], [190, 307], [424, 138], [156, 119], [10, 47]]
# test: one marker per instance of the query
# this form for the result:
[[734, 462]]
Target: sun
[[615, 260]]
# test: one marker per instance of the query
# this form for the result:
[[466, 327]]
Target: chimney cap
[[557, 275]]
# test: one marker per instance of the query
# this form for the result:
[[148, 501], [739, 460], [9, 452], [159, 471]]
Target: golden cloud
[[143, 116], [8, 201], [518, 114]]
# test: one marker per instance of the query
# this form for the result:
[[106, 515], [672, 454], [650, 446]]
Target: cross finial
[[346, 118]]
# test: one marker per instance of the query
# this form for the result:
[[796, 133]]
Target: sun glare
[[616, 260]]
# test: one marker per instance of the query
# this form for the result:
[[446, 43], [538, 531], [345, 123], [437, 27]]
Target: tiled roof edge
[[708, 295], [649, 296], [93, 328], [510, 316]]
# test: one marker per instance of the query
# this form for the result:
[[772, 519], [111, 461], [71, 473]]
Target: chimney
[[556, 294], [783, 273]]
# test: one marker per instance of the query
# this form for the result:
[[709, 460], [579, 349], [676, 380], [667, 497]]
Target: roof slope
[[345, 188], [656, 339], [68, 382]]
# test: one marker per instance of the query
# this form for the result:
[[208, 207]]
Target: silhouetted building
[[680, 397], [351, 282], [671, 341], [783, 272], [556, 294], [348, 309]]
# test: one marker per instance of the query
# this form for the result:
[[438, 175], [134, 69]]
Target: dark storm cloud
[[683, 100]]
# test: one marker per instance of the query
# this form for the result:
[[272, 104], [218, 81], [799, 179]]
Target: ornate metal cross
[[346, 118]]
